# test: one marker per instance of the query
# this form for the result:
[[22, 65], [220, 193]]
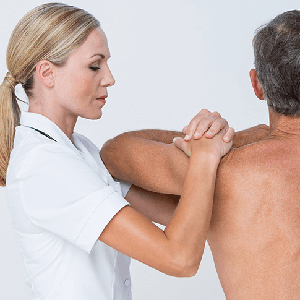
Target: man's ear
[[258, 91], [45, 72]]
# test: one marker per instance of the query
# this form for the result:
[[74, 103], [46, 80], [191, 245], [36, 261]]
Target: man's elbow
[[112, 147], [104, 152], [107, 155]]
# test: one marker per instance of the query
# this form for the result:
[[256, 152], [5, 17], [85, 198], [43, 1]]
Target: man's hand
[[207, 124]]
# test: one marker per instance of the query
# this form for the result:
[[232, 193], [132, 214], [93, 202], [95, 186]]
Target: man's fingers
[[182, 145]]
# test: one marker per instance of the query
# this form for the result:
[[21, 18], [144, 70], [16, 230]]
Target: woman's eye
[[94, 68]]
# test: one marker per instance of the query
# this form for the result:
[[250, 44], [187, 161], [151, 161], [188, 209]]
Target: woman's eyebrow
[[98, 54]]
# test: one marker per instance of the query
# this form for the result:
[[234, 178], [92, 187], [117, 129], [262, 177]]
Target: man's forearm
[[241, 138], [158, 135], [148, 159], [155, 165]]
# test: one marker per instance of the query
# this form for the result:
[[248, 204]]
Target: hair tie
[[10, 80]]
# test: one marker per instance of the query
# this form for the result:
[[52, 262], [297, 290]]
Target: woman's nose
[[107, 79]]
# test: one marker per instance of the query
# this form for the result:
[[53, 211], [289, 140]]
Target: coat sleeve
[[65, 196]]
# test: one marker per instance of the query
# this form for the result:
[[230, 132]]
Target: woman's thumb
[[182, 145]]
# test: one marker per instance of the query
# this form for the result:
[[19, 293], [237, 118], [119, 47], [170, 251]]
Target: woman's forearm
[[190, 222], [178, 250]]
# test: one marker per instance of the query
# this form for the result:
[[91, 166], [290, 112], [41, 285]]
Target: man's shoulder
[[247, 161], [248, 153]]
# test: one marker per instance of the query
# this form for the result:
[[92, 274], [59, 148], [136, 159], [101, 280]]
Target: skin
[[79, 88], [255, 227], [57, 94]]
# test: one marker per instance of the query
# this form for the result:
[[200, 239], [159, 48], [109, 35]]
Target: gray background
[[170, 58]]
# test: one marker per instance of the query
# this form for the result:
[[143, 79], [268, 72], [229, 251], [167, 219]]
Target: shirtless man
[[255, 228]]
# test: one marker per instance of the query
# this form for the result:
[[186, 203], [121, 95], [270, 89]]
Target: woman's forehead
[[95, 45]]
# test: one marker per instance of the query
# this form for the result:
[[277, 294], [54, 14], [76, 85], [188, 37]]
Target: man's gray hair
[[277, 62]]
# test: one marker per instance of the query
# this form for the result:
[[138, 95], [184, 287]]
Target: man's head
[[277, 62]]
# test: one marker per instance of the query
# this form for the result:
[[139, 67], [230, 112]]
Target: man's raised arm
[[149, 159]]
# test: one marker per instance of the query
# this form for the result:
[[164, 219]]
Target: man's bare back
[[255, 227]]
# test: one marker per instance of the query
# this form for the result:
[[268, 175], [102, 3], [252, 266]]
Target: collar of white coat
[[40, 122]]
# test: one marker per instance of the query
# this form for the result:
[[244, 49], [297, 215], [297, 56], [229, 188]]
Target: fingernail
[[187, 137], [197, 134], [226, 138], [175, 138], [209, 133]]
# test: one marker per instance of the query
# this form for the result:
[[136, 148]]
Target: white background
[[170, 58]]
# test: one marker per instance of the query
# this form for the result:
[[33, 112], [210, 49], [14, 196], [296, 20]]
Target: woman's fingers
[[220, 144], [181, 144], [216, 126], [215, 145], [190, 130], [228, 135], [184, 129], [205, 123], [225, 145]]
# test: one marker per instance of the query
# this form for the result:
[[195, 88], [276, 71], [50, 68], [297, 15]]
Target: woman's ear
[[45, 72], [258, 91]]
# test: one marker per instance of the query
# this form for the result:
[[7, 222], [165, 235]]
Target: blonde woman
[[74, 227]]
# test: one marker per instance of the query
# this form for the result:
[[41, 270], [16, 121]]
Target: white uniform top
[[60, 198]]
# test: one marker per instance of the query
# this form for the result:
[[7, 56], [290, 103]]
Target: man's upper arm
[[152, 165], [156, 207]]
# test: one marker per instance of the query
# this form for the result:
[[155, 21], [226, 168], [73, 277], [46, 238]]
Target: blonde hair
[[50, 31]]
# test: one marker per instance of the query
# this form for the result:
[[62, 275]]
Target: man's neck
[[287, 124]]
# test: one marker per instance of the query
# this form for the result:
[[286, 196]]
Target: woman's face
[[81, 85]]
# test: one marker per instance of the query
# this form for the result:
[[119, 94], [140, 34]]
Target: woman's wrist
[[207, 156]]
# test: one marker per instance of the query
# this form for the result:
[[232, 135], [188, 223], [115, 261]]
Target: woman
[[74, 228]]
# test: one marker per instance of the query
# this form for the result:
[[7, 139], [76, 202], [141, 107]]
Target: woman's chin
[[93, 116]]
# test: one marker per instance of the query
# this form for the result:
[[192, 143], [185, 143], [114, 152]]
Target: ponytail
[[9, 119]]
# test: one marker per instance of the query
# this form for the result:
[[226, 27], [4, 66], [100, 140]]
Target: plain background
[[170, 58]]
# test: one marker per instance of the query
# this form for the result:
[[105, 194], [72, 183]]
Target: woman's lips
[[103, 99]]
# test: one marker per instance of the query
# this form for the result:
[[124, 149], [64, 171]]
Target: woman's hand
[[207, 124], [215, 145]]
